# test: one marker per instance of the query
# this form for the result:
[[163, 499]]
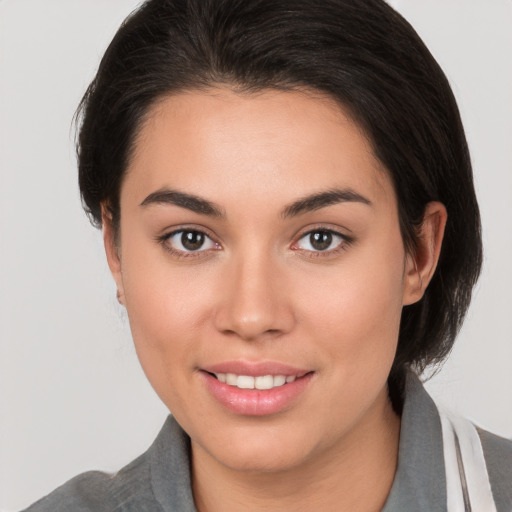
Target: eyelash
[[178, 253], [345, 242]]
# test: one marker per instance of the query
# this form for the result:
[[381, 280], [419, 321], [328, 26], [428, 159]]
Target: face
[[262, 267]]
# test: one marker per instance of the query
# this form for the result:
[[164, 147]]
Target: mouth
[[262, 392], [261, 382], [258, 382]]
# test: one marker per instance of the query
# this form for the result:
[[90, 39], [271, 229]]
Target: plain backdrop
[[72, 395]]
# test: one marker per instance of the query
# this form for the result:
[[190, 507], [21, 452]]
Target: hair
[[362, 54]]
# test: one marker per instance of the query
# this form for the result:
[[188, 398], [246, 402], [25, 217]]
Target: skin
[[259, 292]]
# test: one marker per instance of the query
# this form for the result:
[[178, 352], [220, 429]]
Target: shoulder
[[129, 489], [477, 462], [156, 481], [498, 458], [435, 456]]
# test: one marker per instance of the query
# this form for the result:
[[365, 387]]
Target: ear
[[112, 250], [421, 264]]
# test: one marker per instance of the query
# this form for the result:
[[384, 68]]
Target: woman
[[288, 211]]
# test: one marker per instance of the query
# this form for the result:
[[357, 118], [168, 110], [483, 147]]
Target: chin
[[260, 449], [267, 461]]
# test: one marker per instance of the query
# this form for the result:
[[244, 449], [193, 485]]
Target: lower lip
[[256, 402]]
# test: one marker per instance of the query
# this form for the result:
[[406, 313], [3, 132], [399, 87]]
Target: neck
[[356, 474]]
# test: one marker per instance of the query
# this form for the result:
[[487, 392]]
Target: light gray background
[[72, 396]]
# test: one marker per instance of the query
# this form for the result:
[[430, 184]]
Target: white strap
[[467, 481]]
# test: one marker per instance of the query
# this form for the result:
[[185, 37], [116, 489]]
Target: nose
[[253, 302]]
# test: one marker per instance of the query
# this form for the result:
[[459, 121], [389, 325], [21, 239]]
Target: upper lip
[[255, 369]]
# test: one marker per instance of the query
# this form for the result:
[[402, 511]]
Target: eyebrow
[[306, 204], [323, 199], [188, 201]]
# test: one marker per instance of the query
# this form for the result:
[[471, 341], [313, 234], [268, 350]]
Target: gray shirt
[[159, 480]]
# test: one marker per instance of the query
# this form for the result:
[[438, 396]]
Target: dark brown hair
[[361, 53]]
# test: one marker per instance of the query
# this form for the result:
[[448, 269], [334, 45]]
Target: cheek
[[165, 312], [165, 307], [357, 309]]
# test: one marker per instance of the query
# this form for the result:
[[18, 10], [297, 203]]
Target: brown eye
[[190, 240], [320, 240]]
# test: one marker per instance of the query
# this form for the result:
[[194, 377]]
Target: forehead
[[280, 144]]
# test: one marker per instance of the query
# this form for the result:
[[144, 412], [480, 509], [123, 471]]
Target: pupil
[[192, 240], [321, 240]]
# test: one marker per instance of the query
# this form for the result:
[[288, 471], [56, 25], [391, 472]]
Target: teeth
[[260, 382], [265, 382], [280, 380], [245, 382], [231, 379]]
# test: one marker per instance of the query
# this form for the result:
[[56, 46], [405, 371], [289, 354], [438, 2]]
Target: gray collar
[[170, 469], [419, 483]]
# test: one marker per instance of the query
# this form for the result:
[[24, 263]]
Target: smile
[[257, 382], [256, 389]]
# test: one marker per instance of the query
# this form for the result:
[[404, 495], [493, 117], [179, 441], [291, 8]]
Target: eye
[[189, 240], [320, 240]]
